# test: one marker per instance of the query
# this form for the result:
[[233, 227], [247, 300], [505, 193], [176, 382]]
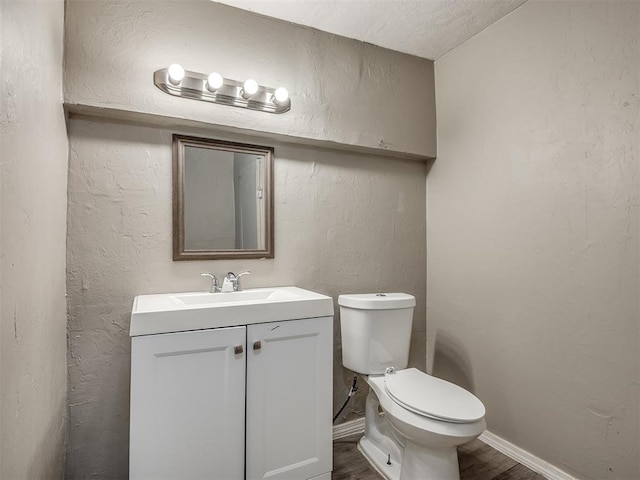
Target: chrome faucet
[[215, 285], [231, 282]]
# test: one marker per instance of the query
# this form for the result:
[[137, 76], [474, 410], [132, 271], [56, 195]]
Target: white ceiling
[[426, 28]]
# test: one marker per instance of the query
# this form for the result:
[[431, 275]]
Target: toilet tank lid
[[377, 301]]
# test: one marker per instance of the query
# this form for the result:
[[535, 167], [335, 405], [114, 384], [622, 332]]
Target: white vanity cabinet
[[187, 405], [289, 399], [249, 401]]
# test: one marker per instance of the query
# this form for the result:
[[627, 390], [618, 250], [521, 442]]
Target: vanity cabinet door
[[289, 399], [187, 405]]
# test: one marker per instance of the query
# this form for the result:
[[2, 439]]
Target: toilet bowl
[[414, 422], [426, 446]]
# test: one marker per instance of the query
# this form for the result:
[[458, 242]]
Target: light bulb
[[250, 88], [176, 73], [214, 81], [280, 96]]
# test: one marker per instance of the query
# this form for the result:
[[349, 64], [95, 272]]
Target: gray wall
[[343, 91], [345, 222], [33, 184], [533, 231]]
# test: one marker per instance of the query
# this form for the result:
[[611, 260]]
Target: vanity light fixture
[[214, 81], [280, 96], [175, 73], [177, 81], [249, 89]]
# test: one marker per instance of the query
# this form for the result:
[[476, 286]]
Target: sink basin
[[201, 298], [181, 312]]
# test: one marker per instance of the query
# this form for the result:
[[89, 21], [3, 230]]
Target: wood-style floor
[[478, 461]]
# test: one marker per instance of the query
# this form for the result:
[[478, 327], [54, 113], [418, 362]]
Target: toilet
[[414, 422]]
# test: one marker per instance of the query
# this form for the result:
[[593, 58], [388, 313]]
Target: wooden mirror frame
[[179, 251]]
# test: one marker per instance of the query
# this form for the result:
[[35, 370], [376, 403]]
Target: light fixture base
[[194, 86]]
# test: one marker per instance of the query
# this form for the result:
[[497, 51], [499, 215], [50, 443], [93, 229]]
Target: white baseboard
[[347, 429], [525, 458]]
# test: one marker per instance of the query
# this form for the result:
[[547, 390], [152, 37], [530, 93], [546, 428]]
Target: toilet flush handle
[[389, 370]]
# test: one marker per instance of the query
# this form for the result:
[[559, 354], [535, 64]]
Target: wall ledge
[[168, 122]]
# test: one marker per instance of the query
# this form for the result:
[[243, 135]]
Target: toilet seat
[[432, 397]]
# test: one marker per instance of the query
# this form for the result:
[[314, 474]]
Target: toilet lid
[[433, 397]]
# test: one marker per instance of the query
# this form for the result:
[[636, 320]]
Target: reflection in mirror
[[222, 199]]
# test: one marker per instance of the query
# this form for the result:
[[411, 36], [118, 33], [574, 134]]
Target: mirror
[[222, 199]]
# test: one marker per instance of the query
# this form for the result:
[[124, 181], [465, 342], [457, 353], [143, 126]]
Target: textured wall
[[344, 222], [343, 91], [533, 231], [33, 182]]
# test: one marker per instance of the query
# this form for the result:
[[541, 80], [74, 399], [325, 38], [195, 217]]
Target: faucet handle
[[215, 285], [237, 281]]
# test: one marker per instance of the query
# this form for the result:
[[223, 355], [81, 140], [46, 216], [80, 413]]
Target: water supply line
[[353, 390]]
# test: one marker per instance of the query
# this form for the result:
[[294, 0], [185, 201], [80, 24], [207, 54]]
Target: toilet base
[[437, 464], [419, 463], [378, 459]]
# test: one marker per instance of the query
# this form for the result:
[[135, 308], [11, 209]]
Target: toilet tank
[[376, 331]]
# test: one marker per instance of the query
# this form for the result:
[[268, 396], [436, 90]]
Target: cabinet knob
[[257, 345], [238, 349]]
